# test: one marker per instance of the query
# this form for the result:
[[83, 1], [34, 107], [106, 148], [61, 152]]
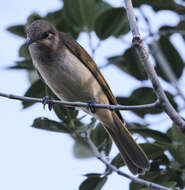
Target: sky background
[[35, 159]]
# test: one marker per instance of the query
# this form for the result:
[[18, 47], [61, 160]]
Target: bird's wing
[[81, 53]]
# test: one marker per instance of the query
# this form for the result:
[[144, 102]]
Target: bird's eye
[[47, 35]]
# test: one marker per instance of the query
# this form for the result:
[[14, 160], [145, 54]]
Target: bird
[[70, 72]]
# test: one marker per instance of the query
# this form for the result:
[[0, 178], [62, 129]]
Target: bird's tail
[[130, 151]]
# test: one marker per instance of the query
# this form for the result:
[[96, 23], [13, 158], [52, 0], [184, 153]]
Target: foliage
[[165, 150]]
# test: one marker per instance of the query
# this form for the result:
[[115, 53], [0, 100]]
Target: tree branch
[[119, 172], [144, 57], [82, 104]]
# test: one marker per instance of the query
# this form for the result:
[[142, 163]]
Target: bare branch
[[82, 104], [119, 172], [143, 55]]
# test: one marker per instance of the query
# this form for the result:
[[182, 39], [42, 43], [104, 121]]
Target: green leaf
[[23, 51], [93, 183], [32, 18], [101, 7], [170, 184], [18, 30], [159, 177], [167, 178], [50, 125], [59, 20], [164, 177], [33, 76], [145, 132], [172, 56], [64, 113], [142, 96], [80, 13], [37, 90], [117, 161], [149, 176], [152, 150], [81, 149], [25, 64], [101, 139], [130, 63], [93, 175], [175, 134], [178, 143], [135, 186], [160, 160], [111, 22], [87, 8], [72, 12], [139, 96]]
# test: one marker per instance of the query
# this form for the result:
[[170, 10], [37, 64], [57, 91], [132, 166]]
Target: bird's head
[[42, 34]]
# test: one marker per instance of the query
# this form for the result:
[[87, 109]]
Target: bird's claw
[[46, 100], [91, 105]]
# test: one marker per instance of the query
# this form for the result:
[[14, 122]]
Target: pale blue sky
[[35, 159]]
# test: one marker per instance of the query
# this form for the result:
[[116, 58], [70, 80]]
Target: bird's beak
[[29, 41]]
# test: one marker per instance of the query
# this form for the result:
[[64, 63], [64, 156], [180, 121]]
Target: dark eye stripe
[[45, 35]]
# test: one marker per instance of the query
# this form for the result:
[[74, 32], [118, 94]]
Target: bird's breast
[[70, 79]]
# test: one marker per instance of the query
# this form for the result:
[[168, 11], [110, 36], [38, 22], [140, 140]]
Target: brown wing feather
[[81, 53]]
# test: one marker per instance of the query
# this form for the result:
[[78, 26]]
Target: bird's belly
[[71, 80]]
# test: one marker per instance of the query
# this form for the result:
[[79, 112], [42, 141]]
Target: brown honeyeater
[[73, 76]]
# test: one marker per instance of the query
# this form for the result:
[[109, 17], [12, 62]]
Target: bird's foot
[[46, 100], [91, 105]]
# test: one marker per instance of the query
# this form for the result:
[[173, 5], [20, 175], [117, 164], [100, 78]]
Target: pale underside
[[70, 80]]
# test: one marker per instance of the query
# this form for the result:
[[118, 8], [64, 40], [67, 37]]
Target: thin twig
[[144, 57], [90, 44], [119, 172], [93, 49], [171, 31], [82, 104], [166, 69], [163, 63], [164, 33]]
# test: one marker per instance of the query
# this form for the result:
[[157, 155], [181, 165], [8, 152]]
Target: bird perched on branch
[[73, 76]]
